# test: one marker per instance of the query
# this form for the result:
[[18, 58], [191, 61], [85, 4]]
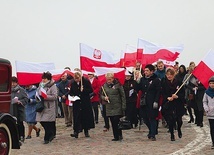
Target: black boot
[[74, 135], [191, 120], [172, 137], [179, 133], [86, 133]]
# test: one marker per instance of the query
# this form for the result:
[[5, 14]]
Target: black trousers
[[131, 112], [114, 122], [50, 129], [95, 110], [211, 122], [106, 119], [21, 129], [172, 121]]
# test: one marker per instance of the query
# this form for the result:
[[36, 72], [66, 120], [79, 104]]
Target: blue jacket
[[30, 108]]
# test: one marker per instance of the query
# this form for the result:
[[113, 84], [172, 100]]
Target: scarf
[[210, 92], [15, 89]]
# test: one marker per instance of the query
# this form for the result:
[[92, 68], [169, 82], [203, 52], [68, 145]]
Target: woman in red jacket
[[94, 96]]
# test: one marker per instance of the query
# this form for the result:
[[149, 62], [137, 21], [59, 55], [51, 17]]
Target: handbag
[[124, 124], [143, 101], [40, 106]]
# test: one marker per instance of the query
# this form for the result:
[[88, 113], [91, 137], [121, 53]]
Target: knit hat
[[211, 79]]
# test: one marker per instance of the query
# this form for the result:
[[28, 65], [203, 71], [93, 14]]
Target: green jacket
[[115, 92]]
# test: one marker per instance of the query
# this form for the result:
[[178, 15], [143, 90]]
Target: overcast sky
[[51, 30]]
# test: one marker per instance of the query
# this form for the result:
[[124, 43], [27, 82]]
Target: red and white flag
[[149, 53], [43, 93], [121, 61], [119, 73], [31, 73], [90, 57], [205, 69], [130, 56]]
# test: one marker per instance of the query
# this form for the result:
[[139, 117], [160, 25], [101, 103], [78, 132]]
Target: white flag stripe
[[208, 60], [151, 48], [103, 70], [31, 67], [130, 49], [88, 52]]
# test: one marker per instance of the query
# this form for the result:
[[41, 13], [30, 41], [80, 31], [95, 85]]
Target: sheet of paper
[[15, 100], [73, 98], [131, 92]]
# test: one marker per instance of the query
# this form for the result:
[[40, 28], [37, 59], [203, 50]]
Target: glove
[[155, 105], [42, 98]]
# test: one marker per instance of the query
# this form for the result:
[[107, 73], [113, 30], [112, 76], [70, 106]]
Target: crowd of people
[[149, 95]]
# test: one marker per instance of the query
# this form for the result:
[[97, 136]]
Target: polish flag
[[31, 73], [130, 56], [57, 73], [149, 53], [90, 57], [119, 73], [121, 62], [205, 69], [43, 93]]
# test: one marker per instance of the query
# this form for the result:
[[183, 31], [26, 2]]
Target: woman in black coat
[[82, 110], [130, 89], [173, 104]]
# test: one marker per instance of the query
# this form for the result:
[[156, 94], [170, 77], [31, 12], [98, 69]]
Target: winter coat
[[117, 99], [49, 113], [96, 89], [208, 104], [30, 108], [130, 86], [82, 107], [18, 110], [63, 88], [175, 107], [151, 87], [198, 96]]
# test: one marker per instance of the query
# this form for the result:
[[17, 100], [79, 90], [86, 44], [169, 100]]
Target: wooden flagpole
[[183, 84], [105, 93]]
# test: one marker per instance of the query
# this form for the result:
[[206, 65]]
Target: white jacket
[[208, 104]]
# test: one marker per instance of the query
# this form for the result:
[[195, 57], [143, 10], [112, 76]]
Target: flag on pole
[[119, 73], [205, 69], [43, 93], [130, 56], [90, 57], [148, 53], [30, 72]]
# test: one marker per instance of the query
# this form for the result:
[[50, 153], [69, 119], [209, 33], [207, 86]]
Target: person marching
[[17, 108], [47, 117], [173, 104], [208, 104], [130, 89], [112, 92], [150, 86], [30, 110], [94, 96], [82, 110]]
